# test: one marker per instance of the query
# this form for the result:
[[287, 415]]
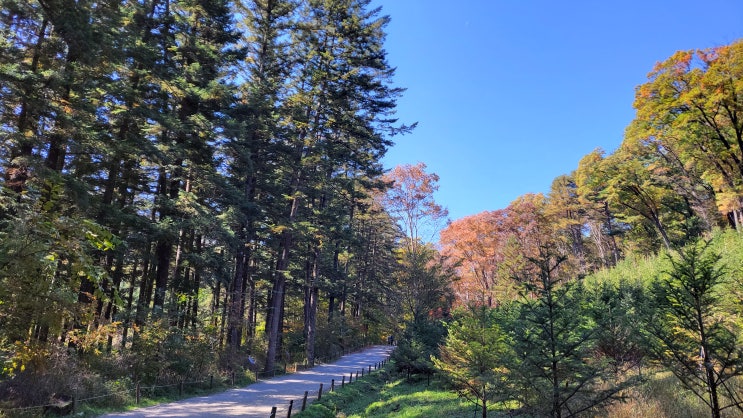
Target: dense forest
[[189, 183], [186, 184]]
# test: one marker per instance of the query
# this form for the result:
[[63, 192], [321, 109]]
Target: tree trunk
[[236, 301], [129, 304], [612, 241], [163, 253], [310, 306], [252, 311], [145, 289], [276, 306], [712, 384], [222, 320], [275, 312]]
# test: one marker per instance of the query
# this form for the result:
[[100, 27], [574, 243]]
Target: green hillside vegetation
[[653, 336], [479, 359], [643, 270]]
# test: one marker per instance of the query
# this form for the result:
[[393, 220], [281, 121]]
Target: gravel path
[[257, 399]]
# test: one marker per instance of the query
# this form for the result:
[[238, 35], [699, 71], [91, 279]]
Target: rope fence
[[300, 404], [68, 404]]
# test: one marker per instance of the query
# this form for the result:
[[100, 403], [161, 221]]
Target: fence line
[[137, 389], [312, 396], [74, 401]]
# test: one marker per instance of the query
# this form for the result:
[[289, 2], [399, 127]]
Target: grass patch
[[662, 396], [384, 394], [389, 395]]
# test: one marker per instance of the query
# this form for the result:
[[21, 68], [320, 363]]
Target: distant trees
[[674, 178], [491, 249], [423, 281], [410, 200], [474, 246]]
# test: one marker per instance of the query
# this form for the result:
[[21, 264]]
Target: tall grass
[[662, 396]]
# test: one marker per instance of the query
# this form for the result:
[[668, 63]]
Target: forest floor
[[257, 399]]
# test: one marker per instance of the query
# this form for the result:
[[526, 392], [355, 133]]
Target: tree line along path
[[258, 399]]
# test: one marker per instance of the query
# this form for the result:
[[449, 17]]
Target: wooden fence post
[[273, 413], [319, 394], [304, 400], [343, 382], [137, 394], [291, 404], [332, 385]]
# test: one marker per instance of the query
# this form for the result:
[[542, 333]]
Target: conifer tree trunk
[[311, 294], [276, 307], [234, 329]]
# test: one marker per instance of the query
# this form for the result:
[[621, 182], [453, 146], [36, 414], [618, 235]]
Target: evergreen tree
[[339, 108], [252, 148], [617, 311], [472, 357], [694, 329], [553, 342]]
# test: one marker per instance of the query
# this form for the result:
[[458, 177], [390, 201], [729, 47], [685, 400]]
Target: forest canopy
[[194, 182]]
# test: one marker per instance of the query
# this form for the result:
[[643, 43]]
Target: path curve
[[257, 399]]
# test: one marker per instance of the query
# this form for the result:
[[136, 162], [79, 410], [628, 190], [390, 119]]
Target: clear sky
[[509, 94]]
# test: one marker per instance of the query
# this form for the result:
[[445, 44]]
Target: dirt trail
[[256, 400]]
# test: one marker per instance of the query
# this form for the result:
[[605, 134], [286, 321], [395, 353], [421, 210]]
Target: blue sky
[[510, 94]]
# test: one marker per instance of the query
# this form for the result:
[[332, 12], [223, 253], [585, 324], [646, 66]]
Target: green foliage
[[633, 270], [695, 327], [423, 284], [616, 310], [161, 353], [419, 343], [473, 356], [554, 339], [44, 257]]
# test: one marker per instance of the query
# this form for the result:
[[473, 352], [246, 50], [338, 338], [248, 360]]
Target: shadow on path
[[256, 400]]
